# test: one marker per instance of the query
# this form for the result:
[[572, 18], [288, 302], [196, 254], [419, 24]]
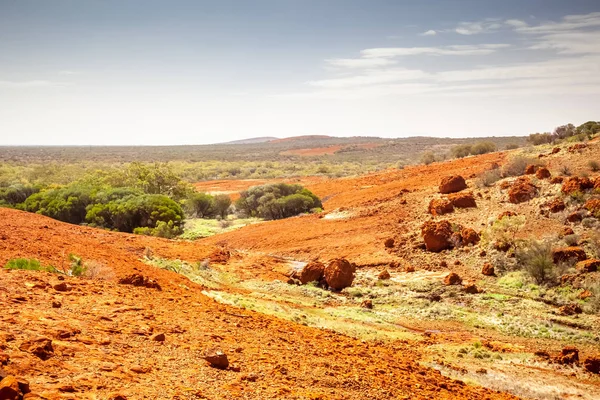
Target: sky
[[148, 72]]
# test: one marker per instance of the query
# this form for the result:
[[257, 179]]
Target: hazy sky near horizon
[[194, 71]]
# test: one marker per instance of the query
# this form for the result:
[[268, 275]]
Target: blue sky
[[192, 72]]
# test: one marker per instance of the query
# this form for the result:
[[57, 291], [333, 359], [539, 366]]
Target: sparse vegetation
[[27, 264], [536, 259], [594, 165], [277, 201]]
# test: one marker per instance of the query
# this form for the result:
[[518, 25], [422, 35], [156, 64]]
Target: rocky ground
[[435, 309]]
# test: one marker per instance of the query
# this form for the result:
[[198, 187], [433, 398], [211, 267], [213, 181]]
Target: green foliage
[[540, 138], [200, 205], [516, 166], [76, 268], [488, 178], [460, 151], [16, 194], [277, 201], [67, 204], [512, 146], [483, 148], [536, 259], [24, 264], [221, 206]]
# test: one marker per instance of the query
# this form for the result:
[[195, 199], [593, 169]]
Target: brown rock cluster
[[452, 184], [576, 184], [140, 280], [339, 274], [566, 254], [522, 190]]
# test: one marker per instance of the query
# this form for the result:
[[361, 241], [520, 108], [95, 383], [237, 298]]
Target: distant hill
[[255, 140]]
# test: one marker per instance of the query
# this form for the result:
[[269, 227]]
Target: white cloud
[[375, 77], [474, 28], [457, 50], [517, 23], [359, 62], [568, 23], [430, 32]]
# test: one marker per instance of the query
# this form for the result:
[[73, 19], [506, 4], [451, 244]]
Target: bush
[[536, 259], [594, 166], [66, 204], [512, 146], [16, 194], [200, 205], [428, 158], [24, 264], [483, 148], [565, 170], [222, 202], [516, 166], [277, 201], [540, 138], [488, 178], [460, 151]]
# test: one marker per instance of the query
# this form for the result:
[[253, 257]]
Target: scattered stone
[[530, 169], [543, 173], [40, 347], [138, 369], [585, 294], [576, 184], [389, 243], [9, 389], [62, 287], [440, 207], [140, 280], [502, 246], [56, 304], [471, 288], [507, 214], [251, 377], [585, 266], [592, 364], [409, 268], [570, 309], [117, 396], [67, 389], [462, 200], [159, 337], [452, 279], [577, 147], [339, 274], [437, 235], [567, 230], [220, 256], [542, 354], [312, 272], [557, 180], [384, 275], [556, 205], [216, 358], [452, 184], [367, 304], [566, 254], [555, 150], [469, 236], [488, 270], [522, 190], [593, 206], [568, 355]]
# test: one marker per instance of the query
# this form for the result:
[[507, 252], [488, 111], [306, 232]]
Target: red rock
[[507, 214], [567, 231], [488, 270], [530, 169], [556, 205], [556, 180], [452, 279], [575, 216], [452, 184], [440, 207], [543, 173], [384, 275], [471, 288], [555, 150], [592, 364], [139, 280], [159, 337], [585, 266], [216, 358], [570, 309], [312, 272], [522, 190], [565, 254], [367, 304], [389, 243], [409, 268], [469, 236], [569, 355], [462, 200], [593, 206], [9, 389], [585, 295], [339, 274], [220, 256], [577, 147], [437, 235], [40, 347], [576, 184]]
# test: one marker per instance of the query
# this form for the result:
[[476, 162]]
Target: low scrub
[[27, 264], [277, 201]]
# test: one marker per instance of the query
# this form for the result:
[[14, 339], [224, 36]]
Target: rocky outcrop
[[576, 184], [140, 280], [437, 235], [556, 205], [440, 207], [567, 254], [313, 271], [452, 279], [462, 200], [488, 270], [469, 236], [586, 266], [522, 190], [543, 173]]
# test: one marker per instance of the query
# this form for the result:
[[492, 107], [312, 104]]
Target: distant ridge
[[297, 138], [262, 139]]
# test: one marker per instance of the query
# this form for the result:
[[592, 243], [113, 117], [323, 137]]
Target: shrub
[[488, 178], [516, 166], [540, 138], [428, 157], [277, 201], [24, 264], [222, 202], [594, 166], [200, 205], [66, 204], [16, 194], [536, 259], [461, 150], [565, 170], [512, 146], [483, 148]]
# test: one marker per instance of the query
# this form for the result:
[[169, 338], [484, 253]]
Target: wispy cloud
[[374, 77], [474, 28], [359, 62], [430, 32], [28, 84], [455, 50]]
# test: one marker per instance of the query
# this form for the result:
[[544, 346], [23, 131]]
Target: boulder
[[592, 364], [384, 275], [593, 206], [452, 184], [577, 147], [568, 355], [339, 274], [220, 255], [566, 254], [555, 150], [556, 205], [576, 184], [452, 279], [488, 270], [557, 180], [9, 389], [471, 288], [570, 309], [586, 294], [567, 230], [440, 207], [575, 216], [543, 173], [40, 347], [522, 190], [367, 304], [530, 169], [437, 235], [469, 236], [389, 243], [216, 358], [586, 266], [312, 272], [462, 200], [507, 214]]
